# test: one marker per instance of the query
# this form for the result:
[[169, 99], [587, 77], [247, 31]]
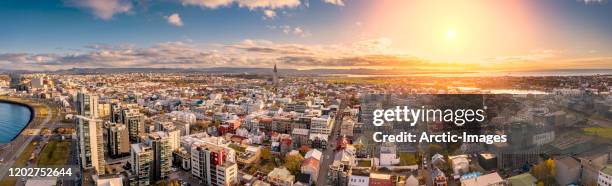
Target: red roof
[[311, 162]]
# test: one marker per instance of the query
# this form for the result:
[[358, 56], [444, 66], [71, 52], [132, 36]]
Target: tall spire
[[275, 76]]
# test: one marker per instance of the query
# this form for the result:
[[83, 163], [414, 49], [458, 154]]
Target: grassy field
[[237, 148], [55, 153], [364, 163], [25, 155], [601, 132]]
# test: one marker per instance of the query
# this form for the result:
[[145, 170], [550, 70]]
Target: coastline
[[33, 113], [21, 147]]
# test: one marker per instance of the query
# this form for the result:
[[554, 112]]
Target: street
[[328, 154]]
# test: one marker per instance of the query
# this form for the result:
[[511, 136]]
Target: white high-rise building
[[174, 134], [321, 125], [210, 163], [86, 104], [141, 160], [162, 155], [91, 149]]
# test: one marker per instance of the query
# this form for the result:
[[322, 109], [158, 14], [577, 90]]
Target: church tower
[[275, 76]]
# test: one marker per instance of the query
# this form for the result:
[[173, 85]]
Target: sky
[[449, 35]]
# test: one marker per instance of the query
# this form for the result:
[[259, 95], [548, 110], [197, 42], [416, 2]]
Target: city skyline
[[410, 35]]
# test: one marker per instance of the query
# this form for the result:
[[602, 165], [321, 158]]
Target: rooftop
[[487, 156], [568, 162], [281, 173], [607, 169], [483, 180], [522, 179], [380, 176]]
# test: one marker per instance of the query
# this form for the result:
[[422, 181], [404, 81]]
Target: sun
[[451, 34]]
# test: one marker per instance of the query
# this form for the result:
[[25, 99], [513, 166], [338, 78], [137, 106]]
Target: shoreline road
[[12, 150]]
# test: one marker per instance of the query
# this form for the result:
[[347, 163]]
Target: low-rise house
[[492, 179], [359, 179], [605, 175], [310, 166], [249, 156], [281, 176], [377, 179], [460, 164], [567, 171]]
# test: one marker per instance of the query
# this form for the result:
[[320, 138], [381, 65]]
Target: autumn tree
[[293, 163], [545, 171], [266, 154], [304, 149]]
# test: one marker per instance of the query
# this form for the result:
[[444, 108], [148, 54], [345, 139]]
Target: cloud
[[289, 30], [247, 53], [102, 46], [533, 55], [356, 61], [174, 19], [269, 14], [372, 53], [299, 31], [271, 4], [546, 59], [335, 2], [103, 9], [207, 3], [592, 1], [267, 6], [250, 4]]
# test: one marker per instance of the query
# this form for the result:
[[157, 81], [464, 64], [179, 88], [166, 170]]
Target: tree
[[435, 148], [252, 169], [545, 171], [293, 163], [266, 154], [304, 149], [550, 164]]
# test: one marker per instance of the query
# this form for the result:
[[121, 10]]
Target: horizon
[[412, 36]]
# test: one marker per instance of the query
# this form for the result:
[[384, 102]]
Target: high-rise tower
[[87, 104], [90, 147]]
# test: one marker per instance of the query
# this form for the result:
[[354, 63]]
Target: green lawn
[[55, 153], [601, 132], [266, 166], [364, 163], [25, 155], [407, 158], [237, 147]]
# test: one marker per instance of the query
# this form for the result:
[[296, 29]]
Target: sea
[[13, 118]]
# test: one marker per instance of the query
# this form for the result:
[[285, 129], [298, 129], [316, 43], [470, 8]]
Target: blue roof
[[470, 175]]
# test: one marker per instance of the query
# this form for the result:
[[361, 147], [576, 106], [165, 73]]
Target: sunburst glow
[[451, 34]]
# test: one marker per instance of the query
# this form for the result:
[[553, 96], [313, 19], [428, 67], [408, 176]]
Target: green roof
[[522, 179], [607, 170]]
